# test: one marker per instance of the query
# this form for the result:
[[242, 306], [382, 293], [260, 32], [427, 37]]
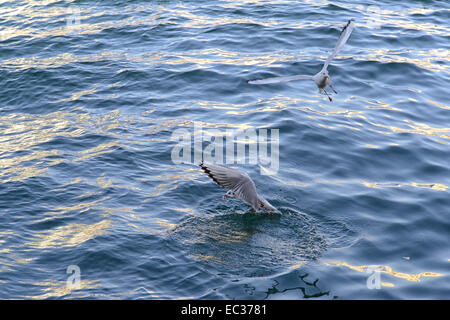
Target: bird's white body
[[322, 78]]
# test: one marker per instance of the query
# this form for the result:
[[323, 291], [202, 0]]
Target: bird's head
[[265, 205]]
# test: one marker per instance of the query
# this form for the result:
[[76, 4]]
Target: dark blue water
[[91, 94]]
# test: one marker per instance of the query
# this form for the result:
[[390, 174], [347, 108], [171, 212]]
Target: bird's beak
[[272, 209]]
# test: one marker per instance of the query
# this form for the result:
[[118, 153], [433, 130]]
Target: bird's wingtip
[[346, 26], [204, 166], [208, 172]]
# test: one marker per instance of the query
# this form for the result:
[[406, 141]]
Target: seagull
[[239, 185], [322, 78]]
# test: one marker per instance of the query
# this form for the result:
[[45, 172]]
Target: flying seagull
[[322, 79], [239, 185]]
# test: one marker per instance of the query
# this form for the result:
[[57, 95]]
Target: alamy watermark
[[250, 146], [74, 279], [374, 280], [375, 16], [73, 18]]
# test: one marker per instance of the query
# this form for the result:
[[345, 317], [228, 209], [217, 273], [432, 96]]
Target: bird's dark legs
[[332, 88], [327, 95]]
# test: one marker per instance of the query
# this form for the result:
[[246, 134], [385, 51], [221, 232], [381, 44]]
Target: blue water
[[91, 94]]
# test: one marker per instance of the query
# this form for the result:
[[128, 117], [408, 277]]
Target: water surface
[[92, 92]]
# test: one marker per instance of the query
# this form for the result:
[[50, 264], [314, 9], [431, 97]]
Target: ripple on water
[[257, 245]]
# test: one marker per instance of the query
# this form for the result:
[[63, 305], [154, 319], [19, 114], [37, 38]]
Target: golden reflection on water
[[105, 183], [71, 182], [161, 16], [385, 269], [25, 260], [53, 15], [210, 57], [297, 265], [188, 211], [165, 15], [426, 59], [56, 289], [11, 170], [70, 235], [165, 224], [438, 104], [417, 128], [397, 16], [96, 151], [77, 95], [432, 186], [207, 258], [172, 182], [215, 56], [241, 3], [80, 207], [22, 131], [376, 104]]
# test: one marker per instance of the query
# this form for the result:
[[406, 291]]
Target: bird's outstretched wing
[[279, 79], [239, 182], [345, 34]]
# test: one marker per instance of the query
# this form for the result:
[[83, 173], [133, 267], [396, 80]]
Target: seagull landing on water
[[239, 185], [322, 79]]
